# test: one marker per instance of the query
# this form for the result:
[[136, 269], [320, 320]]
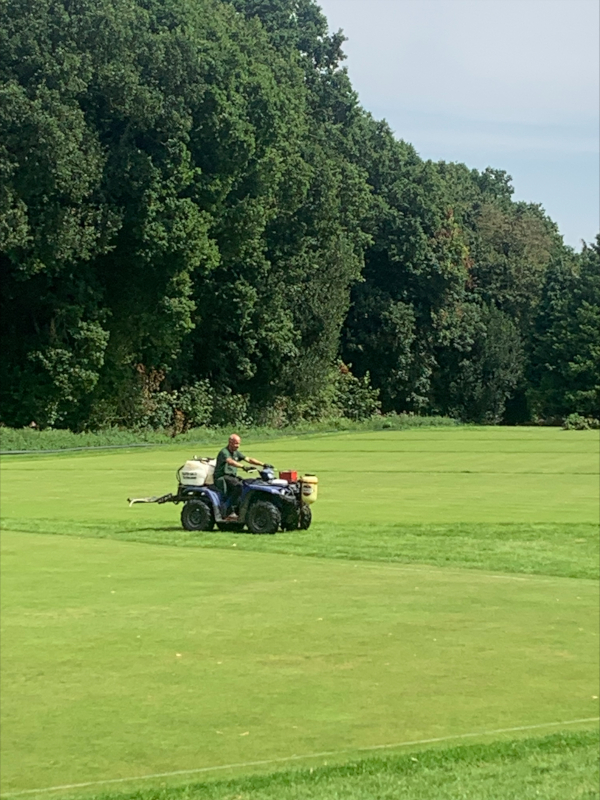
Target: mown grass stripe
[[79, 449], [504, 551], [284, 759]]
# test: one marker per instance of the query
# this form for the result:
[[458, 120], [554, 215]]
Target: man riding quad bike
[[263, 505], [225, 478]]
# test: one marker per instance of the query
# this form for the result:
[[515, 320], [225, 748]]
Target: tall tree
[[483, 368], [312, 245], [565, 362], [415, 271]]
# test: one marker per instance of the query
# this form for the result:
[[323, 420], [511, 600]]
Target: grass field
[[445, 590]]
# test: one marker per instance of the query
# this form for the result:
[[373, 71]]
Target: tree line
[[199, 224]]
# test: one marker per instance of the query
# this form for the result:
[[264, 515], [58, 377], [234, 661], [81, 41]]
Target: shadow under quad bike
[[267, 504]]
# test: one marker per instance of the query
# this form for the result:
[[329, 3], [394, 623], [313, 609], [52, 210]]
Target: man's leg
[[234, 490]]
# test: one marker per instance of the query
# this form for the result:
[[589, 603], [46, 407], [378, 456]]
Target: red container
[[289, 475]]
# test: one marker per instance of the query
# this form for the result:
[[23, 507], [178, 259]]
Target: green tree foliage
[[451, 284], [511, 245], [198, 219], [416, 270], [313, 244], [565, 361], [476, 378], [109, 235], [209, 224]]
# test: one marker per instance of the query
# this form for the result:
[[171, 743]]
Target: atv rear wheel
[[197, 516], [263, 517]]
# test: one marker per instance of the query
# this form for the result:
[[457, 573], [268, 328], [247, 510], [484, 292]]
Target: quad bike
[[266, 505]]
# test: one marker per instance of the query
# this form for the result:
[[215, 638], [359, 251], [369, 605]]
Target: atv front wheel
[[297, 519], [197, 516], [263, 517], [305, 517]]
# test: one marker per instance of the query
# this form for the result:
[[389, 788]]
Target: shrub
[[576, 422], [230, 409], [354, 397]]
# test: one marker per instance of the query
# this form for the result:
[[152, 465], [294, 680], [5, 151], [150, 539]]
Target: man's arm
[[239, 464], [232, 462]]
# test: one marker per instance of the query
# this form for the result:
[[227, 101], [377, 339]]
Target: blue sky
[[512, 84]]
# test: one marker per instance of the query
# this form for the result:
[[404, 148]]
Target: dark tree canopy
[[565, 358], [198, 221]]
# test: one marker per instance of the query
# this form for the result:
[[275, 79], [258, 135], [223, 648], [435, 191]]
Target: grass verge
[[563, 766], [30, 439]]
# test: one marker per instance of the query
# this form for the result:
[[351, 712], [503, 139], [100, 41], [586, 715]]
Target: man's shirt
[[222, 467]]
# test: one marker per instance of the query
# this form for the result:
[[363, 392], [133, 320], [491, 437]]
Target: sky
[[511, 84]]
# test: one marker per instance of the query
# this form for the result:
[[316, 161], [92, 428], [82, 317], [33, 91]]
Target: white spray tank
[[196, 472]]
